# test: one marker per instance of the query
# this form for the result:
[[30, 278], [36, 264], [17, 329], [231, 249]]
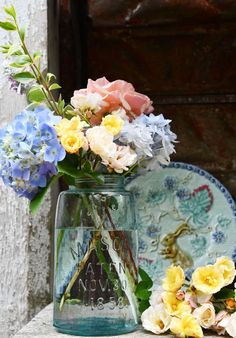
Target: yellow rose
[[208, 279], [226, 266], [186, 326], [174, 279], [65, 125], [72, 141], [113, 124], [174, 306]]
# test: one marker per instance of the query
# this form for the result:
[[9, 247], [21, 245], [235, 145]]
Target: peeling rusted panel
[[182, 54]]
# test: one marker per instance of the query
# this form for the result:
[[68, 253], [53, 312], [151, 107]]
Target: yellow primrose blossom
[[174, 306], [72, 141], [227, 267], [65, 125], [208, 279], [185, 326], [174, 279], [113, 124]]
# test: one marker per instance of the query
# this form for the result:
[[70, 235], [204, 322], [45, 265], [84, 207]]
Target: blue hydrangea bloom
[[30, 151]]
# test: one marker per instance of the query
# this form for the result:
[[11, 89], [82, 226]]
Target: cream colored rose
[[156, 319], [174, 279], [205, 315], [227, 267], [101, 142], [229, 323], [123, 158]]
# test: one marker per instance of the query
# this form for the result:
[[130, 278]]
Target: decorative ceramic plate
[[185, 217]]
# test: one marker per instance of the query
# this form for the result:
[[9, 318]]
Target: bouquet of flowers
[[186, 307], [107, 128]]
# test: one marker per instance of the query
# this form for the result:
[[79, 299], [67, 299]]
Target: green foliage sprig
[[143, 292], [27, 67]]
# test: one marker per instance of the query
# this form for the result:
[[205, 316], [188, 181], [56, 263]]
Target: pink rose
[[115, 95]]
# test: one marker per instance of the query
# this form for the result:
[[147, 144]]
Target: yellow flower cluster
[[212, 278], [71, 135], [183, 322], [185, 311], [70, 132]]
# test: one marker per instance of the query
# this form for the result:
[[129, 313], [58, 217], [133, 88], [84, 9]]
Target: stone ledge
[[41, 327]]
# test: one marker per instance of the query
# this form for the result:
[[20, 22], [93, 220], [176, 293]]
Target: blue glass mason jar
[[95, 259]]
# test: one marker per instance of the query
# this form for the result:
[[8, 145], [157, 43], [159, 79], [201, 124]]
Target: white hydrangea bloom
[[151, 138]]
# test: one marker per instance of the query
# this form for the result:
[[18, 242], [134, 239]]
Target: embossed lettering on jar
[[95, 259]]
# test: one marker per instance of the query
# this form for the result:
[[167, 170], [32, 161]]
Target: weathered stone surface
[[25, 241], [41, 327]]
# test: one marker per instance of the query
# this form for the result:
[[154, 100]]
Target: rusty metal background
[[181, 53]]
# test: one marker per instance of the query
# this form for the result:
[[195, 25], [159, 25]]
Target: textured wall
[[24, 242]]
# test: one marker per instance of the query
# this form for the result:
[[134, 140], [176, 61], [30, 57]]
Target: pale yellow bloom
[[65, 125], [208, 279], [113, 124], [72, 141], [205, 315], [226, 266], [174, 306], [187, 325], [174, 279], [156, 319]]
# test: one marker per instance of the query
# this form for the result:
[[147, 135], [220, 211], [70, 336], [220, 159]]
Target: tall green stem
[[38, 75]]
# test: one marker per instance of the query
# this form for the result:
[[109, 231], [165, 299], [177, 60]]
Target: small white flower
[[205, 315], [86, 102], [229, 323], [156, 319], [156, 297], [202, 298]]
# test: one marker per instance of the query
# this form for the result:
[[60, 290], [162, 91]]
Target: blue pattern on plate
[[185, 216]]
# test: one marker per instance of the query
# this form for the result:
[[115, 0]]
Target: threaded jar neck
[[111, 182]]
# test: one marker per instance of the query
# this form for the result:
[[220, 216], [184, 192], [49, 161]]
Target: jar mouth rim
[[108, 181]]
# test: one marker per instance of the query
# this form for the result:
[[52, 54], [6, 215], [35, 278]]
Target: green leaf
[[37, 55], [35, 94], [14, 50], [11, 11], [224, 294], [143, 305], [145, 277], [21, 61], [142, 291], [54, 86], [87, 167], [68, 167], [24, 77], [37, 200], [22, 33], [8, 26]]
